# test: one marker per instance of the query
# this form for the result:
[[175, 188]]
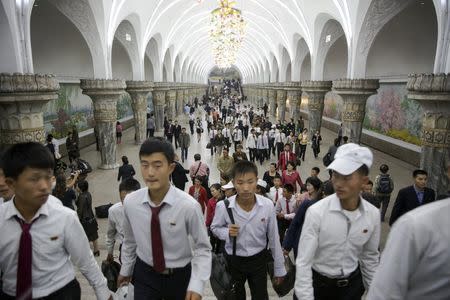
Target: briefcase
[[102, 211]]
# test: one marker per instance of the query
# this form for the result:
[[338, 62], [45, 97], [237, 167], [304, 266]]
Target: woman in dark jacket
[[315, 143], [86, 215], [126, 171]]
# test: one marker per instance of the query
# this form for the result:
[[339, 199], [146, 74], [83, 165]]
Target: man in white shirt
[[254, 229], [262, 144], [39, 238], [165, 237], [212, 137], [251, 145], [280, 139], [285, 209], [226, 132], [115, 218], [415, 263], [276, 192], [338, 249], [271, 138], [237, 136]]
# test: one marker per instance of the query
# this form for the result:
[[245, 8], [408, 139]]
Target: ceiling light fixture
[[226, 33]]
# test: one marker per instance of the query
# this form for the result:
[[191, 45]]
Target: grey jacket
[[185, 140]]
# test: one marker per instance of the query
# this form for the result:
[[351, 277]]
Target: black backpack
[[384, 184]]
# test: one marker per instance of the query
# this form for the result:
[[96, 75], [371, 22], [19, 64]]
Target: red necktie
[[159, 263], [276, 195], [24, 289], [288, 211]]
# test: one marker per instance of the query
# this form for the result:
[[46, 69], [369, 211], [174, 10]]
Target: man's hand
[[233, 230], [278, 280], [192, 296], [280, 216], [123, 280], [285, 252], [110, 257]]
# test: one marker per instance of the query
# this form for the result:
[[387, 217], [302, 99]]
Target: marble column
[[293, 95], [186, 96], [138, 91], [315, 91], [265, 95], [354, 93], [281, 102], [22, 101], [179, 101], [159, 101], [260, 96], [272, 97], [171, 97], [104, 94], [432, 91]]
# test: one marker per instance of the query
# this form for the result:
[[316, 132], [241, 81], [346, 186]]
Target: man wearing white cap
[[338, 248]]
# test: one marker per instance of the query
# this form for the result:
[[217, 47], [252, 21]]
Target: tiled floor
[[104, 185]]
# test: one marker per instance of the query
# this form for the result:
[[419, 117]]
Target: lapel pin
[[365, 231], [53, 238]]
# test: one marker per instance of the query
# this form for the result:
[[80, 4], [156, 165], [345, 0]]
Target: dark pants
[[235, 145], [302, 152], [150, 132], [184, 154], [326, 289], [283, 225], [246, 131], [271, 146], [384, 200], [151, 285], [279, 149], [177, 141], [191, 126], [339, 140], [252, 154], [70, 291], [261, 155], [251, 268], [170, 138]]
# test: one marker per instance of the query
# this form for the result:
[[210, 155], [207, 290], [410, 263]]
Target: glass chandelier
[[226, 33]]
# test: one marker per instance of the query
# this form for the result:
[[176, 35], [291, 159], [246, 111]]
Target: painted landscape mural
[[73, 108], [389, 112]]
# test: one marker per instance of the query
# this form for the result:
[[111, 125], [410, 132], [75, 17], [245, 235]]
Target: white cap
[[262, 183], [228, 186], [350, 157]]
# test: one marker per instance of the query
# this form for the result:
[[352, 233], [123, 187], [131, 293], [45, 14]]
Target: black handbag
[[102, 211], [288, 282], [221, 281], [111, 271], [327, 159], [208, 146]]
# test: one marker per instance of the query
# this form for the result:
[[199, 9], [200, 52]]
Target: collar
[[335, 204], [417, 190], [232, 200], [11, 210], [170, 197]]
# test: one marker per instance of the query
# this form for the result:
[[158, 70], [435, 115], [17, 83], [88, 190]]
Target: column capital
[[323, 86], [356, 86], [429, 87], [27, 87], [134, 86]]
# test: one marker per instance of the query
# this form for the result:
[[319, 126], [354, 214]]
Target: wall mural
[[72, 107], [389, 112]]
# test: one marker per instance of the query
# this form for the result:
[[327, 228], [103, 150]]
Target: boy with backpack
[[383, 188]]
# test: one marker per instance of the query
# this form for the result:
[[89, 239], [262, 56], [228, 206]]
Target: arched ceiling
[[273, 26]]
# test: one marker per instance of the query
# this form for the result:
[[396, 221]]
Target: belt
[[166, 271], [337, 282]]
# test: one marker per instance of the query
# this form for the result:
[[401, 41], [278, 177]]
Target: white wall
[[335, 66], [305, 70], [148, 68], [121, 63], [7, 57], [57, 46], [406, 44]]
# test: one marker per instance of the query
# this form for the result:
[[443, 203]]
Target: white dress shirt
[[332, 244], [251, 141], [181, 221], [254, 228], [226, 132], [2, 200], [58, 240], [281, 207], [273, 191], [115, 226], [272, 133], [415, 263], [237, 135], [280, 137], [212, 133], [262, 142]]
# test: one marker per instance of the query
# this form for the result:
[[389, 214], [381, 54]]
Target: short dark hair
[[129, 185], [384, 168], [336, 142], [125, 160], [83, 185], [363, 170], [292, 163], [157, 145], [328, 188], [26, 155], [345, 138], [419, 172], [315, 182], [316, 169], [197, 157], [244, 167], [370, 182], [289, 187], [277, 176]]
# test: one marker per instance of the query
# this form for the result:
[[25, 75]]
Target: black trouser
[[150, 132], [302, 152], [70, 291], [339, 140], [251, 268], [184, 153], [384, 201], [191, 125], [271, 146], [252, 154], [235, 145], [279, 149], [177, 141], [283, 225], [316, 151], [351, 288], [261, 155], [246, 131], [151, 285], [170, 138]]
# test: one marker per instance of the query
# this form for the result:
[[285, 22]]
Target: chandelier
[[226, 33]]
